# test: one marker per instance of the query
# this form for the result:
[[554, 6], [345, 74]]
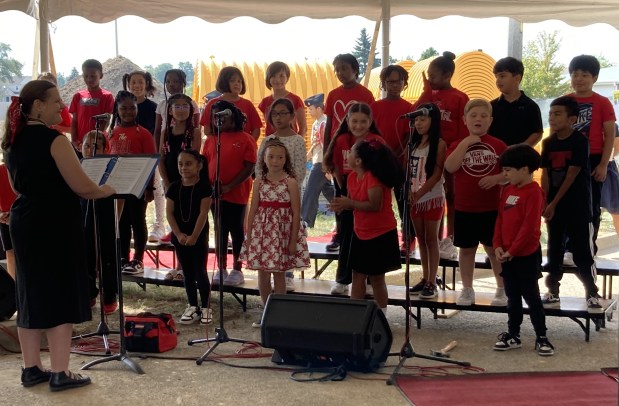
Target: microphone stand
[[407, 351], [103, 330], [221, 336]]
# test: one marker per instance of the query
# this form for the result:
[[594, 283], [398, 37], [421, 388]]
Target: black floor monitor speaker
[[326, 331]]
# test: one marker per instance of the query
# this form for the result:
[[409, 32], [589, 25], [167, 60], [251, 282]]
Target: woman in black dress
[[51, 276]]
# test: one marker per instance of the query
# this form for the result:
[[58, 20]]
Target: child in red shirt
[[238, 159], [231, 84], [89, 102], [517, 248], [437, 89], [374, 172], [357, 127]]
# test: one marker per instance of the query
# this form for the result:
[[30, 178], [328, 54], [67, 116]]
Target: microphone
[[223, 113], [421, 112], [104, 116]]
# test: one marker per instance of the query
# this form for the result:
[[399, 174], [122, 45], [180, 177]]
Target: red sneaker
[[166, 239], [110, 308]]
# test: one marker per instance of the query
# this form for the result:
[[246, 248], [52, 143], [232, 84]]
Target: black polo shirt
[[513, 122]]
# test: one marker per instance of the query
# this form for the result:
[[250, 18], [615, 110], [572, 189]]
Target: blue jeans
[[317, 182]]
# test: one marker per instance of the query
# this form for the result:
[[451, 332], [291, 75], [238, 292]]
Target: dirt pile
[[113, 71]]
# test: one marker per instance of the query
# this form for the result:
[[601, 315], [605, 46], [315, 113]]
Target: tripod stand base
[[408, 352], [221, 336], [135, 367], [103, 331]]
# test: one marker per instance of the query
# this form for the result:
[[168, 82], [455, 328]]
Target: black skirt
[[375, 256]]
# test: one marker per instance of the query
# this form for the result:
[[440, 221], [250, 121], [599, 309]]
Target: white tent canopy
[[573, 12]]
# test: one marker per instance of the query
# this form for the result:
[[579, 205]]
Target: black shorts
[[375, 256], [6, 237], [470, 229]]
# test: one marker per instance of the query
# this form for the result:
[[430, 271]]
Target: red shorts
[[435, 214]]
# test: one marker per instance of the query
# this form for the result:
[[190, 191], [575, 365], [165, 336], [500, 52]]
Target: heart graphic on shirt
[[339, 111]]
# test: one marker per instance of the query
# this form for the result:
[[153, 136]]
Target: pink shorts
[[434, 214]]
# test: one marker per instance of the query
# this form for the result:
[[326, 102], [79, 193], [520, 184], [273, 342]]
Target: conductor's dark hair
[[148, 78], [570, 104], [509, 64], [380, 160], [521, 155], [434, 135], [585, 63], [92, 64], [349, 59], [225, 75], [386, 72], [445, 63], [238, 118], [273, 69]]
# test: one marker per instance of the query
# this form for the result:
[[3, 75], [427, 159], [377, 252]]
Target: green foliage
[[361, 51], [9, 67], [74, 73], [61, 79], [604, 62], [543, 75], [428, 53], [187, 67], [159, 71]]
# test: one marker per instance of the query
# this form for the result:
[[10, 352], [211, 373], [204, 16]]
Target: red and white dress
[[266, 248]]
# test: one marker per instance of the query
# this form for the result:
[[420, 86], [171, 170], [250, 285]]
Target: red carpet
[[166, 259], [510, 389]]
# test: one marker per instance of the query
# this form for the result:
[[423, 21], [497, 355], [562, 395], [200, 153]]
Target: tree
[[428, 53], [9, 67], [74, 73], [544, 76], [187, 67], [604, 62], [361, 51], [61, 79], [160, 70]]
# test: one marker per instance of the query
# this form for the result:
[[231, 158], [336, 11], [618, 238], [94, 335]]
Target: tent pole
[[366, 77], [386, 19], [43, 37]]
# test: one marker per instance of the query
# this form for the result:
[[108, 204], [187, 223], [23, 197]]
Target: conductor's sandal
[[34, 375], [61, 381]]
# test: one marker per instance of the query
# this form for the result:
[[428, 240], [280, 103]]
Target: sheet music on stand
[[128, 175]]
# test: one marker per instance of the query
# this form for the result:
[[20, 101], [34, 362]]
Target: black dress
[[51, 273]]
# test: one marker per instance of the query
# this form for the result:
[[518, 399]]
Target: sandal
[[179, 276], [171, 275]]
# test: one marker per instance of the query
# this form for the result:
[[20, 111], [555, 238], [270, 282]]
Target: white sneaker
[[235, 278], [289, 284], [207, 316], [216, 277], [446, 249], [369, 290], [500, 299], [339, 289], [466, 298], [190, 315], [155, 235], [568, 259]]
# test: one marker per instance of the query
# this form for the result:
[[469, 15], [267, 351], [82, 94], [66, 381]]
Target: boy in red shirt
[[89, 102], [474, 163], [517, 248]]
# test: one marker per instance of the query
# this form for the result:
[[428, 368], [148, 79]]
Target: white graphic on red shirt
[[340, 110], [445, 115], [479, 160], [511, 201], [345, 153]]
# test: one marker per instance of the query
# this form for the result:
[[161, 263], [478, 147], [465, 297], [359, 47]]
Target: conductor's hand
[[149, 195]]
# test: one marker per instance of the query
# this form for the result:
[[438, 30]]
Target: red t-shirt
[[594, 111], [517, 228], [339, 101], [7, 196], [451, 102], [386, 114], [480, 160], [131, 140], [265, 106], [342, 147], [247, 107], [86, 104], [236, 149], [370, 224]]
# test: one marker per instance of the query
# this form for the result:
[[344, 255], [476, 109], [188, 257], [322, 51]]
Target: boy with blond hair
[[474, 163]]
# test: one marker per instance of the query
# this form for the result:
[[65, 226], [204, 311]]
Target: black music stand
[[407, 351], [221, 336], [103, 329]]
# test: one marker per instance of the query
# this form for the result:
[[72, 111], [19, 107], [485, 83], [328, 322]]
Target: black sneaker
[[543, 346], [507, 342], [428, 292], [594, 306], [334, 245], [133, 267], [416, 289]]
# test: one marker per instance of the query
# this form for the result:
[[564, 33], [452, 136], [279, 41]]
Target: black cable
[[333, 374]]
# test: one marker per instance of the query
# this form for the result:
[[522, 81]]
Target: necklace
[[180, 203]]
